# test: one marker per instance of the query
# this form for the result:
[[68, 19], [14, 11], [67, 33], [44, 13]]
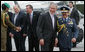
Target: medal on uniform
[[70, 22]]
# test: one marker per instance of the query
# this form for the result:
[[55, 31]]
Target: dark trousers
[[74, 44], [64, 49], [8, 43], [33, 42], [19, 42], [48, 45]]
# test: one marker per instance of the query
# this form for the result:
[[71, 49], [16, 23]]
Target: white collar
[[71, 8], [51, 14], [16, 13], [32, 13]]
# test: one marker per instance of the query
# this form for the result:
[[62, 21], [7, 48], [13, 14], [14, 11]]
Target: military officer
[[66, 27], [5, 22]]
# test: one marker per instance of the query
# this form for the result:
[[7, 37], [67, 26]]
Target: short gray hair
[[53, 4], [17, 7]]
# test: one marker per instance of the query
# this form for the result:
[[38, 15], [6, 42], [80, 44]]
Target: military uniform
[[5, 22], [67, 30]]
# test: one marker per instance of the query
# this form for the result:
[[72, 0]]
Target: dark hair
[[4, 7], [71, 2], [30, 6]]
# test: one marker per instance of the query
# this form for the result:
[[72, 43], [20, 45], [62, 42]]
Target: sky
[[35, 4]]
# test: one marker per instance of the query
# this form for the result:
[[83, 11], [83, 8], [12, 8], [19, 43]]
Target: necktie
[[30, 19]]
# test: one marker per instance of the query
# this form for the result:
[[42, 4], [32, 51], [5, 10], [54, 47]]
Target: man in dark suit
[[75, 15], [47, 28], [18, 20], [31, 22]]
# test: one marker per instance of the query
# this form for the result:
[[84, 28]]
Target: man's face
[[7, 9], [53, 9], [65, 14], [70, 5], [28, 9], [16, 9]]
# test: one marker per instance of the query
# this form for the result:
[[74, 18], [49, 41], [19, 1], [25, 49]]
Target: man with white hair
[[18, 19], [47, 28]]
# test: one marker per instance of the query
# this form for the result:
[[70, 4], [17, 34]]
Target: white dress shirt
[[15, 17], [31, 17], [71, 10]]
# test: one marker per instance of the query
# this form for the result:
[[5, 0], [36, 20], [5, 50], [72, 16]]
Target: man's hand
[[41, 42], [56, 41], [18, 29], [11, 35], [78, 26], [73, 40]]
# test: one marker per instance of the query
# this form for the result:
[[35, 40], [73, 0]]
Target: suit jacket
[[20, 21], [74, 14], [45, 28], [31, 28]]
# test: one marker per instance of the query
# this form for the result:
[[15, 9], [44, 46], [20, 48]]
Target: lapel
[[16, 18], [28, 18], [50, 20], [33, 17], [13, 18], [62, 21], [55, 22]]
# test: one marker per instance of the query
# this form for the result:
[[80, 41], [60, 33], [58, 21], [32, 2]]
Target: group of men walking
[[45, 29]]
